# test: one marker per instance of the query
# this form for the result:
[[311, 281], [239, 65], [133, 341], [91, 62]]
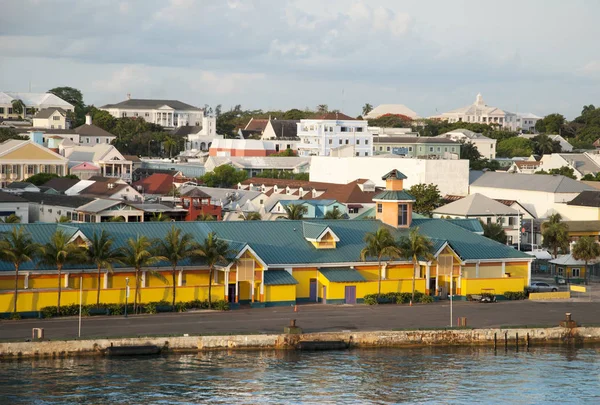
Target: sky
[[539, 56]]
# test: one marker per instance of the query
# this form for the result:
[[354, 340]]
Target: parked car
[[540, 286]]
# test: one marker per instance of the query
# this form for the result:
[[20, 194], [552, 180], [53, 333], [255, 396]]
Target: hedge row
[[396, 298], [515, 295], [118, 309]]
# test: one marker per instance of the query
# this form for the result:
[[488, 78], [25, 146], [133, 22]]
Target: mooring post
[[517, 341], [528, 340], [505, 341], [495, 341]]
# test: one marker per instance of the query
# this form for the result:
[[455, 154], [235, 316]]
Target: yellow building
[[284, 262], [22, 159]]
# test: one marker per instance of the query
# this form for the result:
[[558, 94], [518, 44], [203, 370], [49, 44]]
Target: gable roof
[[531, 182], [336, 116], [475, 205], [11, 145], [151, 104], [465, 132], [581, 162], [48, 112], [285, 128], [394, 173], [587, 199], [256, 125], [470, 224], [38, 100], [279, 277], [85, 166], [92, 130], [71, 201], [101, 188], [10, 197], [61, 184], [342, 275], [395, 109], [20, 185], [186, 130], [195, 192], [157, 183]]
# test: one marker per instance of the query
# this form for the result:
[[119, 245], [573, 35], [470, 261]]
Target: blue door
[[313, 290], [350, 297]]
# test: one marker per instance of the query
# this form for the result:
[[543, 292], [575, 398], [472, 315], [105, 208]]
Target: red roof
[[157, 183], [335, 116], [256, 124]]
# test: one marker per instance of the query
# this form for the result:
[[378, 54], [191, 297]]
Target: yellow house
[[22, 159], [284, 262], [568, 267]]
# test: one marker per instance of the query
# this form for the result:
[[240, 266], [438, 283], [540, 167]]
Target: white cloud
[[226, 83], [125, 79], [590, 69]]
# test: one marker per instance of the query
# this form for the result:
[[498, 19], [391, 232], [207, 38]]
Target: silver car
[[540, 286]]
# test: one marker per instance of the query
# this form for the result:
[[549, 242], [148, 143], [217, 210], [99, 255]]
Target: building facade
[[417, 147], [486, 146], [20, 160], [33, 102], [318, 137]]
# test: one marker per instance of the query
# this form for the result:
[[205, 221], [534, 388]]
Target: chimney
[[128, 96], [88, 119]]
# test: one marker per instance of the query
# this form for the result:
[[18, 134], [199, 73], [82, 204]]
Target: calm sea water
[[383, 376]]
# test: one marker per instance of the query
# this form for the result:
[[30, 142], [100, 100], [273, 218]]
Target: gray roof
[[146, 207], [47, 112], [99, 205], [151, 104], [587, 199], [582, 162], [20, 185], [187, 130], [92, 130], [10, 197], [413, 139], [531, 182], [56, 199], [475, 205], [61, 184], [466, 132], [285, 128]]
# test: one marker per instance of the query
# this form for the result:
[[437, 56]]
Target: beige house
[[104, 156], [51, 118], [20, 160]]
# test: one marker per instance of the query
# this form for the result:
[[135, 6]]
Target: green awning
[[342, 275], [279, 277]]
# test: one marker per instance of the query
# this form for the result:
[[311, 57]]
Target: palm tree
[[11, 219], [379, 244], [101, 253], [169, 144], [205, 217], [117, 219], [18, 107], [322, 109], [17, 247], [160, 217], [367, 108], [494, 231], [174, 248], [63, 219], [251, 216], [586, 249], [58, 252], [137, 254], [213, 251], [416, 246], [543, 145], [334, 214], [295, 211], [555, 234]]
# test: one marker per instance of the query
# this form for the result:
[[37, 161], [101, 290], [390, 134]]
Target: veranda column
[[105, 281], [437, 278], [26, 281], [262, 286], [459, 285], [529, 274], [237, 290], [503, 269], [227, 285], [427, 278], [66, 280], [477, 270], [180, 278], [143, 281]]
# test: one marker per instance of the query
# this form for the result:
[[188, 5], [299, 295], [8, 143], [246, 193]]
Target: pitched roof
[[279, 277], [335, 116], [103, 188], [157, 183], [37, 99], [465, 132], [85, 166], [383, 109], [47, 112], [394, 173], [151, 104], [581, 162], [71, 201], [61, 184], [394, 195], [342, 275], [583, 226], [531, 182], [285, 128], [195, 192], [475, 205], [18, 185], [587, 199], [256, 125], [470, 224], [10, 197], [92, 130], [186, 130], [413, 139]]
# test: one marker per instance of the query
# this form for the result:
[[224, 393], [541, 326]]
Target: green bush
[[426, 299], [396, 298], [150, 308], [221, 305], [514, 295], [370, 299], [15, 316]]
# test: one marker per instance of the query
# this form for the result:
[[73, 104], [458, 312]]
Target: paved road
[[311, 318]]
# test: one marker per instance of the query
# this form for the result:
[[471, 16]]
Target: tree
[[512, 147], [251, 216], [224, 176], [41, 178], [367, 108], [213, 251], [138, 254], [296, 114], [11, 219], [74, 97], [10, 133], [469, 151], [416, 246], [494, 231], [118, 218], [285, 153], [205, 217], [381, 245], [174, 248], [563, 171], [58, 252], [550, 124], [335, 213], [391, 121], [18, 107], [282, 174], [544, 145], [169, 143], [295, 211], [101, 253], [586, 249], [322, 109], [160, 217], [427, 196], [555, 234], [17, 247]]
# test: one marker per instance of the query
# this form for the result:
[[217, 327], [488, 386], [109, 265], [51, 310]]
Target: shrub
[[370, 299], [221, 305], [15, 316], [150, 308], [426, 299], [514, 295], [181, 306]]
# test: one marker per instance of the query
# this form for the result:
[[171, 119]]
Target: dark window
[[402, 214], [379, 208], [344, 129], [359, 129], [353, 210]]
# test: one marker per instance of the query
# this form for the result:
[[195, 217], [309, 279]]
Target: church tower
[[394, 205]]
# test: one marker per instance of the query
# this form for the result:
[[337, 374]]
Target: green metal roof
[[395, 173], [312, 230], [394, 196], [470, 224], [279, 277], [342, 275]]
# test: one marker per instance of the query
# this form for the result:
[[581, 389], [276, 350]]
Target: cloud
[[590, 69]]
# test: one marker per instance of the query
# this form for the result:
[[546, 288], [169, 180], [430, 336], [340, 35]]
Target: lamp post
[[126, 294]]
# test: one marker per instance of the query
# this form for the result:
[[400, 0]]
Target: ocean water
[[551, 374]]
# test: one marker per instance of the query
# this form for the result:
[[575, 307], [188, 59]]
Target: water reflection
[[378, 376]]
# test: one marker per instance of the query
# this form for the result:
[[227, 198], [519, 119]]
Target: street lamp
[[126, 294]]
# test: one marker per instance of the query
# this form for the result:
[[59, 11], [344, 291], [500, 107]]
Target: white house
[[51, 118], [451, 176], [394, 109], [54, 136], [32, 101], [537, 193], [581, 163], [166, 113], [110, 161], [11, 203], [486, 146], [527, 121], [333, 130]]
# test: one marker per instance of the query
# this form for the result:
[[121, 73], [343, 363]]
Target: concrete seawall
[[464, 337]]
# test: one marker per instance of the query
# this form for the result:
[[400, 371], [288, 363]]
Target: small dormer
[[394, 205], [320, 235]]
